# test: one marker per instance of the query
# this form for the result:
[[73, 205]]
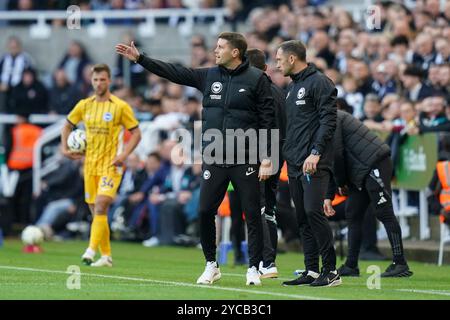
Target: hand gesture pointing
[[129, 52]]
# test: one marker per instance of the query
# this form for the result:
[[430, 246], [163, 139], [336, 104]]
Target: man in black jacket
[[363, 170], [236, 97], [311, 121], [269, 188]]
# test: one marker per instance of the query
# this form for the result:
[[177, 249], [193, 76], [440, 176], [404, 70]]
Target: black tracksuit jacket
[[232, 99], [311, 119]]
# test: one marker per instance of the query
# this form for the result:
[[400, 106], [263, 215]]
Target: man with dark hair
[[236, 97], [415, 88], [363, 170], [311, 122], [267, 267]]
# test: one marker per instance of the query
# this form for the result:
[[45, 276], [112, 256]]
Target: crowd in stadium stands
[[395, 78]]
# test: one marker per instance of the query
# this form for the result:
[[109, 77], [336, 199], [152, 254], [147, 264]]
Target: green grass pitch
[[169, 273]]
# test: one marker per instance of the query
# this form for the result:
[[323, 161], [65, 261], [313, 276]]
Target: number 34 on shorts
[[101, 185]]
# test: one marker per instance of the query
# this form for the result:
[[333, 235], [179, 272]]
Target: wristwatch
[[314, 152]]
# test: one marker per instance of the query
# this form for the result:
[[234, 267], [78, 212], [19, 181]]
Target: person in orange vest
[[440, 183], [24, 136]]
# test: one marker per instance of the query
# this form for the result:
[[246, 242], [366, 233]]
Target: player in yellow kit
[[105, 117]]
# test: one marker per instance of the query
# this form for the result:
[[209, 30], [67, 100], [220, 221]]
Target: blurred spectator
[[415, 87], [21, 5], [424, 54], [235, 13], [320, 42], [63, 94], [199, 52], [29, 96], [437, 203], [443, 50], [171, 199], [361, 73], [433, 8], [433, 116], [400, 48], [372, 112], [346, 46], [12, 66], [444, 78], [352, 96], [383, 83], [137, 74], [64, 188], [128, 195], [119, 5], [157, 168], [433, 77], [74, 62]]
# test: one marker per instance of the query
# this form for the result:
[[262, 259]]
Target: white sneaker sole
[[251, 283], [335, 283], [100, 266], [272, 275], [208, 283]]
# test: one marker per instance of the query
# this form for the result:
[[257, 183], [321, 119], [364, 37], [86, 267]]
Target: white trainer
[[88, 257], [253, 277], [104, 261], [152, 242], [270, 271], [211, 274]]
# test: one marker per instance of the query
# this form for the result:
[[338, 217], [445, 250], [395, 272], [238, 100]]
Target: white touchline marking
[[243, 276], [436, 292], [181, 284]]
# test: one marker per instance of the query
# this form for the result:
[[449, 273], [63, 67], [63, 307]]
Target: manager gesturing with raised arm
[[311, 121], [235, 96]]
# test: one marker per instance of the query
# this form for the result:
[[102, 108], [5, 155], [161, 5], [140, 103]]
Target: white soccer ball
[[32, 235], [77, 141]]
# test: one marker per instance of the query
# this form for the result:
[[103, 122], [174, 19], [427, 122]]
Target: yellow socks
[[105, 242], [100, 235]]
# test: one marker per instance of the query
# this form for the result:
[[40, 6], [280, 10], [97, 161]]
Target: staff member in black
[[311, 122], [363, 171], [269, 188], [235, 96]]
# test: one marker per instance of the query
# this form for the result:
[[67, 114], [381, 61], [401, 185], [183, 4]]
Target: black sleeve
[[265, 103], [178, 74], [325, 95], [332, 188], [339, 157], [266, 108], [434, 182]]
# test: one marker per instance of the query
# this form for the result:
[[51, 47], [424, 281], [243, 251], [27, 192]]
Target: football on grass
[[77, 141], [32, 235]]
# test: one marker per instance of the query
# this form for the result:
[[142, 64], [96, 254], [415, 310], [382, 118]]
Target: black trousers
[[212, 191], [269, 189], [237, 225], [315, 230], [377, 193]]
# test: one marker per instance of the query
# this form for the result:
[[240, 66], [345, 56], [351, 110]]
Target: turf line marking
[[181, 284], [435, 292]]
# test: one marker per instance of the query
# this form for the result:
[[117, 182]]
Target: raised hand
[[129, 52]]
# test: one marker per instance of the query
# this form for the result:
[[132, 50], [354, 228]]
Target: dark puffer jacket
[[356, 150]]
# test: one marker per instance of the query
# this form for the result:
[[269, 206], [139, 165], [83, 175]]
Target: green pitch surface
[[170, 273]]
